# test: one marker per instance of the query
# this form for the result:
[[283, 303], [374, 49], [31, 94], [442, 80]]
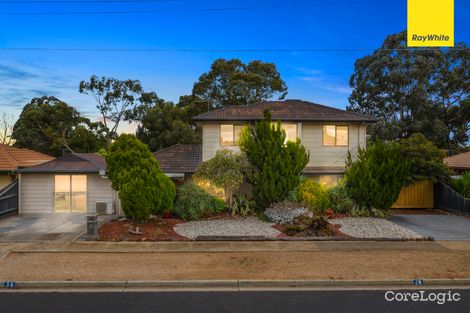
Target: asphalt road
[[219, 302]]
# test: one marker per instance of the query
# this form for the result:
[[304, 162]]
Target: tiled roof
[[459, 161], [324, 170], [179, 158], [289, 110], [70, 163], [12, 158]]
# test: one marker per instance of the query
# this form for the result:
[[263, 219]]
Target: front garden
[[282, 204]]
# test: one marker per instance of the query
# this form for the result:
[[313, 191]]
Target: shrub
[[462, 185], [340, 200], [242, 206], [225, 170], [193, 203], [131, 165], [276, 164], [375, 179], [426, 160], [314, 196]]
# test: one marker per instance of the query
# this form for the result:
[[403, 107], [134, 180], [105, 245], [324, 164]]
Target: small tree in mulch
[[276, 164], [135, 173], [225, 170]]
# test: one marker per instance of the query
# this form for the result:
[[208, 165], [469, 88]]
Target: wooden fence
[[9, 199], [419, 195], [448, 199]]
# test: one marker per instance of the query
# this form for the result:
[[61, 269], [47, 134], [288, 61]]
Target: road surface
[[219, 302]]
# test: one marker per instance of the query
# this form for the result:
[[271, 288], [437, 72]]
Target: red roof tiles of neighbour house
[[70, 163], [12, 158], [289, 110], [324, 170], [179, 158], [459, 161]]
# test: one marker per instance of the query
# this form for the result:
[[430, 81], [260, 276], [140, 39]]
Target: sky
[[320, 77]]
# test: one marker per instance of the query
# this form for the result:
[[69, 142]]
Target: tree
[[231, 82], [415, 90], [225, 170], [6, 129], [276, 164], [375, 179], [426, 160], [165, 124], [116, 100], [133, 169], [49, 125]]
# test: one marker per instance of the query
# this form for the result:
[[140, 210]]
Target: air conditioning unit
[[104, 207]]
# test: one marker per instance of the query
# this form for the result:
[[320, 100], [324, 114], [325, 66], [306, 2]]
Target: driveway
[[440, 227], [61, 227]]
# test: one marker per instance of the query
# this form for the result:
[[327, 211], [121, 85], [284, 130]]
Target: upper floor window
[[291, 131], [230, 134], [335, 135]]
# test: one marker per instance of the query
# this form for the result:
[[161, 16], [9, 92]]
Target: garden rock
[[285, 212]]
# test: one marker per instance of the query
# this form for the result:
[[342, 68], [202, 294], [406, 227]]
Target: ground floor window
[[70, 193]]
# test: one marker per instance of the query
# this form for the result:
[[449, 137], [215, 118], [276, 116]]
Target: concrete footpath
[[303, 263]]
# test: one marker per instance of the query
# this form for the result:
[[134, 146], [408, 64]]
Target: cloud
[[321, 80], [14, 72]]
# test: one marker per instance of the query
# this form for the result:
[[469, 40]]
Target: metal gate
[[448, 199], [9, 199]]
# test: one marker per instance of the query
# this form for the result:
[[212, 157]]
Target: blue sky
[[257, 24]]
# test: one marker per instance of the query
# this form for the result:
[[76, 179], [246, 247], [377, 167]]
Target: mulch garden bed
[[155, 229]]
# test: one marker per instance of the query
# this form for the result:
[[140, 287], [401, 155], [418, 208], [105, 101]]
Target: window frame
[[336, 136], [71, 192], [233, 144]]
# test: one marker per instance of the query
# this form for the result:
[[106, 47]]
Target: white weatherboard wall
[[311, 137], [37, 192]]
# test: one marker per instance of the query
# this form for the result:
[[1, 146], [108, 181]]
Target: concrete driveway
[[440, 227], [61, 227]]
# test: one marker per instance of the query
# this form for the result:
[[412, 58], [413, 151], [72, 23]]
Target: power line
[[82, 1], [182, 50], [140, 11]]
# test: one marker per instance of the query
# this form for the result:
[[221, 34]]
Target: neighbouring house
[[12, 158], [460, 163], [73, 183], [328, 133]]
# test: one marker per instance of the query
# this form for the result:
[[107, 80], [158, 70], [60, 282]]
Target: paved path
[[61, 227], [440, 227], [220, 302]]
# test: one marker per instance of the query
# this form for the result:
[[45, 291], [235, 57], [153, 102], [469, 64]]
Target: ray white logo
[[422, 296]]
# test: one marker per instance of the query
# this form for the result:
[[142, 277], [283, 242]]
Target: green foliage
[[163, 124], [49, 125], [135, 200], [340, 200], [193, 203], [130, 162], [375, 179], [225, 170], [462, 185], [242, 206], [231, 82], [116, 100], [426, 160], [276, 165], [415, 91], [357, 211], [314, 196]]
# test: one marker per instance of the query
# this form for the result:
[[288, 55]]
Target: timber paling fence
[[9, 199], [448, 199]]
